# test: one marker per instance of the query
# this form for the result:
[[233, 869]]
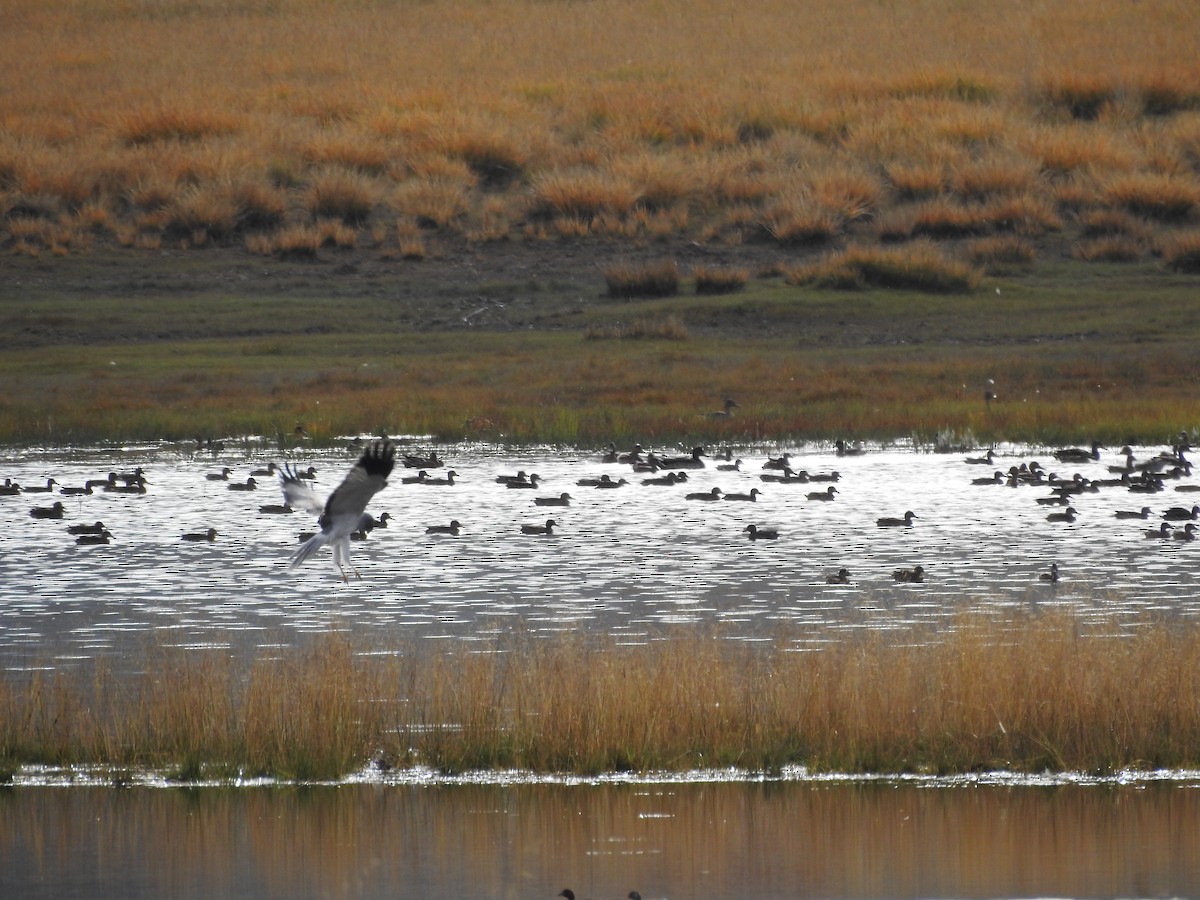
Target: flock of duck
[[1064, 497]]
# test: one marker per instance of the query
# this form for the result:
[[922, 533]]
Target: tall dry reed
[[1039, 691]]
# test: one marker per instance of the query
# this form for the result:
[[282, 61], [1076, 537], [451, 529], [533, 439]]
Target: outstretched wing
[[367, 478], [297, 493]]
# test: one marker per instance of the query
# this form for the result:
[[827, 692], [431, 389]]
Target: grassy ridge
[[1040, 692]]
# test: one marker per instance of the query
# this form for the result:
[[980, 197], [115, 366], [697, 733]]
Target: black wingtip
[[379, 458]]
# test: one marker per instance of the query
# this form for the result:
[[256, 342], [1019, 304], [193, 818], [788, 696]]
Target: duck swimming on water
[[209, 534], [760, 534], [55, 511], [826, 494]]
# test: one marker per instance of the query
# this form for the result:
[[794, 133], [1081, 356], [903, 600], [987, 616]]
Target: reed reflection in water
[[666, 840]]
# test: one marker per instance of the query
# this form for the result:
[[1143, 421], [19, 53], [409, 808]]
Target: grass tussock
[[652, 279], [719, 279], [1182, 252], [1165, 198], [1042, 692], [918, 266], [668, 328]]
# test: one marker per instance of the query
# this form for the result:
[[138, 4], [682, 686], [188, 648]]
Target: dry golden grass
[[1041, 691], [920, 266], [683, 119], [653, 279], [719, 280]]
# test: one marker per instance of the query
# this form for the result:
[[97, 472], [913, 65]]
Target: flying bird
[[344, 512]]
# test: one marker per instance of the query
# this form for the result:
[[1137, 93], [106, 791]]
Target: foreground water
[[676, 840], [629, 561]]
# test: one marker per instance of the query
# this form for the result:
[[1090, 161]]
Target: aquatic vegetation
[[1039, 692]]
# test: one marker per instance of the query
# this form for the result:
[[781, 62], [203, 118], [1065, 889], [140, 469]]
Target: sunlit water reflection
[[627, 561], [666, 840]]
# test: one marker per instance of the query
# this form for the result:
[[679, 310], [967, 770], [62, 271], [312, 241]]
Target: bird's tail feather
[[308, 548]]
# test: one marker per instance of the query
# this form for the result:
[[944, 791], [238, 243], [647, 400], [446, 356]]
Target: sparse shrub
[[916, 181], [296, 242], [719, 280], [31, 206], [146, 126], [352, 153], [918, 266], [581, 194], [943, 218], [1108, 222], [1163, 93], [1001, 250], [1162, 197], [661, 180], [338, 194], [1181, 252], [1028, 216], [260, 205], [850, 195], [432, 202], [207, 211], [494, 156], [152, 193], [1081, 95], [653, 279], [993, 178], [1066, 148], [1108, 249], [798, 223]]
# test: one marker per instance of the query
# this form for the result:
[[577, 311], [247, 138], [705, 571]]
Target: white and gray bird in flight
[[344, 512]]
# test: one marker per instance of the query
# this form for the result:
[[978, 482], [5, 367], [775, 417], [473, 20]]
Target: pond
[[629, 561]]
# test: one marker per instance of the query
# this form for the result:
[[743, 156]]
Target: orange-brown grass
[[1181, 252], [998, 252], [916, 266], [652, 279], [1117, 248], [631, 116], [1039, 691], [719, 279], [340, 194], [1159, 197]]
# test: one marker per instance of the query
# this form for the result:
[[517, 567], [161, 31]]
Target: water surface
[[629, 561]]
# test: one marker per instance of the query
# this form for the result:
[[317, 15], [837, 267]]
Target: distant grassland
[[866, 175], [1041, 692], [286, 127], [1079, 352]]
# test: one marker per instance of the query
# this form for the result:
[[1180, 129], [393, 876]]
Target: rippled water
[[627, 561]]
